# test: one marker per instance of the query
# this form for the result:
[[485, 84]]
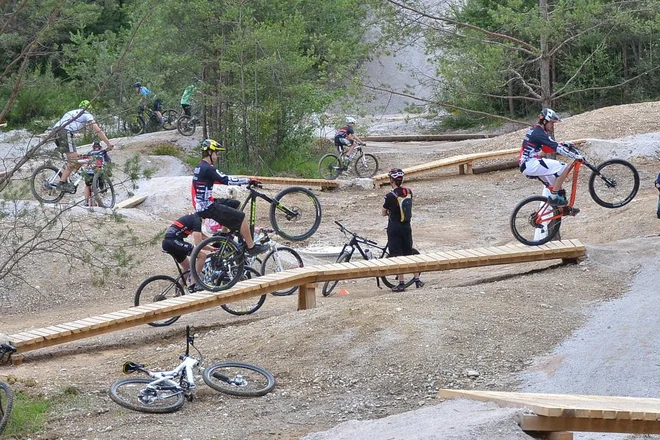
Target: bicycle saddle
[[131, 367]]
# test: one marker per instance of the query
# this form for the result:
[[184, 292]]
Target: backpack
[[405, 204]]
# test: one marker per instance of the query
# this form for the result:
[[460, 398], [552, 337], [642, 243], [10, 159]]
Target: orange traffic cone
[[343, 292]]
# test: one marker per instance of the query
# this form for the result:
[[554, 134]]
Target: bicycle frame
[[252, 199]]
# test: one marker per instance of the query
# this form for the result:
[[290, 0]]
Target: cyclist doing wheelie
[[346, 137], [550, 171], [223, 211], [72, 122]]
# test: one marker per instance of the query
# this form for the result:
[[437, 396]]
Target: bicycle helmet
[[396, 173], [137, 84], [548, 114], [96, 145], [85, 104], [350, 120], [211, 145]]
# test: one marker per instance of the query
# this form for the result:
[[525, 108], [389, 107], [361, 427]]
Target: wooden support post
[[461, 169], [16, 359], [468, 168], [307, 296]]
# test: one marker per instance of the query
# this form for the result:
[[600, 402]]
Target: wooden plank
[[131, 202], [543, 424]]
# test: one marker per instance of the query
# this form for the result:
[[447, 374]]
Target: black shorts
[[225, 212], [64, 141], [157, 104], [177, 248], [399, 237]]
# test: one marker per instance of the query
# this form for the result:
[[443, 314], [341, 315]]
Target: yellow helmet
[[211, 145], [85, 104]]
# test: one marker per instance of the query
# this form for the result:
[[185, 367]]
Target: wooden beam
[[533, 423], [307, 296]]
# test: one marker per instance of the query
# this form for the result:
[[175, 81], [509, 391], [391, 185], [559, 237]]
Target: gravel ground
[[370, 354]]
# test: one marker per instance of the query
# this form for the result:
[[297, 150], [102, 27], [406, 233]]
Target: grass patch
[[166, 150], [29, 415]]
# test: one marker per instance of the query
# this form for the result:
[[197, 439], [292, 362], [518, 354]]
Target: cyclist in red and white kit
[[551, 172], [223, 211]]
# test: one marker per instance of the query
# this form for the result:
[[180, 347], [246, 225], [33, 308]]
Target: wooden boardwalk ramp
[[562, 413], [305, 277]]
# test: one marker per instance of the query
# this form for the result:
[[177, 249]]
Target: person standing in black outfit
[[398, 207]]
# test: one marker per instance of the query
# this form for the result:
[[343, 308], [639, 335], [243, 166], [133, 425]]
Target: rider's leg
[[186, 109]]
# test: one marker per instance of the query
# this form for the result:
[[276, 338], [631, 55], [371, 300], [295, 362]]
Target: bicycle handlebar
[[343, 229]]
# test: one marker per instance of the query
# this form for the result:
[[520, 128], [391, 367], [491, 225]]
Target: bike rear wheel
[[329, 286], [135, 124], [366, 165], [279, 260], [103, 190], [615, 184], [330, 167], [248, 305], [41, 184], [239, 379], [159, 288], [170, 118], [534, 222], [185, 125], [126, 392], [297, 213], [222, 268], [393, 280], [6, 404]]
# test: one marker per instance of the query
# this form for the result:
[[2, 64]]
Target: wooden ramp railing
[[463, 161], [305, 277], [562, 413]]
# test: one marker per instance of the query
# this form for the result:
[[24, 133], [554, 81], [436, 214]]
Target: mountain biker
[[156, 103], [399, 232], [89, 174], [72, 122], [346, 137], [223, 211], [657, 185], [552, 172], [186, 98], [175, 245]]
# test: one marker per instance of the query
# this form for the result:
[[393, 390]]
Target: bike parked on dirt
[[6, 393], [612, 184], [295, 214], [148, 123], [332, 166], [45, 178], [165, 391], [349, 249]]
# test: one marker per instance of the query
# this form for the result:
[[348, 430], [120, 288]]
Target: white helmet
[[350, 120]]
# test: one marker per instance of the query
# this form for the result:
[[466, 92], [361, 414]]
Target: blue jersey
[[144, 91], [536, 140], [204, 177]]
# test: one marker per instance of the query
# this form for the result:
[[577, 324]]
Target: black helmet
[[396, 173], [96, 145], [548, 114], [137, 84]]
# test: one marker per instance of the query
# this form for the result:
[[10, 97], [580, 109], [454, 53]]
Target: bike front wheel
[[185, 125], [248, 305], [103, 190], [329, 286], [366, 165], [42, 182], [159, 288], [239, 379], [393, 280], [330, 167], [534, 222], [222, 267], [170, 118], [296, 213], [135, 125], [6, 404], [279, 260], [614, 183], [133, 393]]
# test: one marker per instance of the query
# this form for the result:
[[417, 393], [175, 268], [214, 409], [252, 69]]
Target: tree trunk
[[544, 68]]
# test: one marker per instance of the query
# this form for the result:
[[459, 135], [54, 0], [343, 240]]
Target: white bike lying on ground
[[164, 391]]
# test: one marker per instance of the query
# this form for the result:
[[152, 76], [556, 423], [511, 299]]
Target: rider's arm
[[385, 212], [224, 179]]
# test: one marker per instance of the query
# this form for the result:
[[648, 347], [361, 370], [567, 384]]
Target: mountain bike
[[332, 166], [6, 393], [165, 391], [355, 243], [162, 287], [612, 184], [186, 125], [141, 123], [295, 214], [45, 178], [278, 259]]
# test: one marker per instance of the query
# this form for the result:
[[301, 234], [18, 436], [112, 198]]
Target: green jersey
[[188, 94]]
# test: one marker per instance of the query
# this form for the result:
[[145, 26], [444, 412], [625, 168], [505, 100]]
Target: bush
[[166, 150]]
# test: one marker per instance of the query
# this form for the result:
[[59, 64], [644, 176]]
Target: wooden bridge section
[[463, 161], [305, 277], [562, 413]]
